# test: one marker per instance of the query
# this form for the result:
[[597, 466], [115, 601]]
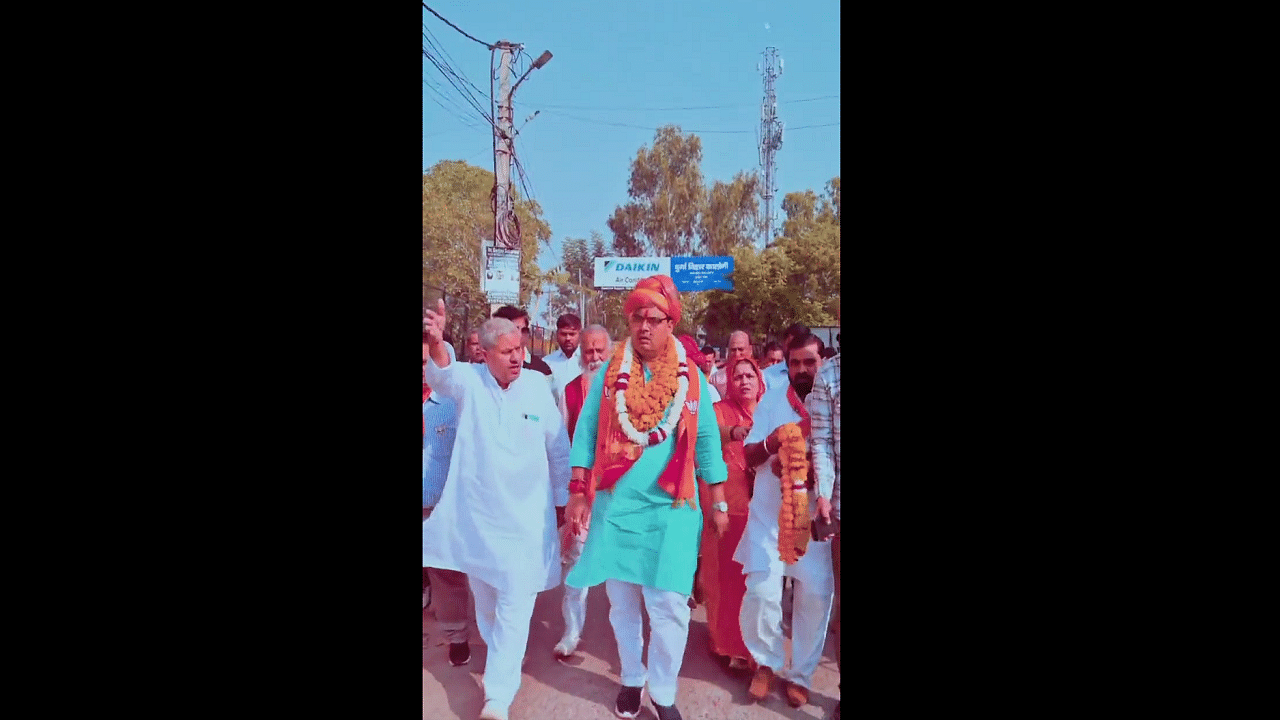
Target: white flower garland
[[668, 425]]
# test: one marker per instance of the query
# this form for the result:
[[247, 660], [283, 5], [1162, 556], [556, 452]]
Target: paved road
[[585, 688]]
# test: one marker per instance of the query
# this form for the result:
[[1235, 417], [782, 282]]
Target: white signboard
[[622, 273], [501, 278]]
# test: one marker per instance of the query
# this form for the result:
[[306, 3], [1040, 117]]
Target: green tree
[[730, 218], [671, 213], [795, 280], [666, 197], [457, 218]]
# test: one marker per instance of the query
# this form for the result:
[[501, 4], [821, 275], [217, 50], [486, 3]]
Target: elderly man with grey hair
[[739, 349], [594, 347], [507, 485]]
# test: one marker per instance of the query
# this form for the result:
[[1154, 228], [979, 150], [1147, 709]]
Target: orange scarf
[[798, 406], [615, 453]]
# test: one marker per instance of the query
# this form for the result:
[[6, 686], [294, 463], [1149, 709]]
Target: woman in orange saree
[[720, 578]]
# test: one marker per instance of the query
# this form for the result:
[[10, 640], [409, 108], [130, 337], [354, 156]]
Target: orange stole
[[575, 394]]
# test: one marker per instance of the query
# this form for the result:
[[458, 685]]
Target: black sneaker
[[459, 653], [667, 713], [628, 702]]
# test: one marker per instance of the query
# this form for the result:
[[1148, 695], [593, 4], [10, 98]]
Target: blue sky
[[615, 64]]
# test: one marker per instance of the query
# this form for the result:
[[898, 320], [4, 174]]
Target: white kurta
[[510, 467], [563, 369], [758, 549]]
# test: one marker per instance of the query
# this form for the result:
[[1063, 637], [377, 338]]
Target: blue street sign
[[692, 274]]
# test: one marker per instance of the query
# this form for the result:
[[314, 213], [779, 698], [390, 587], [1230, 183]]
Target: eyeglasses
[[651, 321]]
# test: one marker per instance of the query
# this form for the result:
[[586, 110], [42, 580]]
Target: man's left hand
[[824, 509], [721, 521]]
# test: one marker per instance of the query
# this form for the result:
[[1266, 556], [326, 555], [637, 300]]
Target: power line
[[455, 27], [434, 43], [458, 112], [452, 78], [700, 132], [639, 127], [669, 109]]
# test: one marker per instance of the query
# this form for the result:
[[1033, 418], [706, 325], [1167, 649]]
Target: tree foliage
[[457, 217], [666, 197], [671, 213], [796, 280]]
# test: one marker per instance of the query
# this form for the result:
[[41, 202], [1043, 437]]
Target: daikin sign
[[622, 273]]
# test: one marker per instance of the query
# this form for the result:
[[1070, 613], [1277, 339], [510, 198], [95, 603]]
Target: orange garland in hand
[[795, 470]]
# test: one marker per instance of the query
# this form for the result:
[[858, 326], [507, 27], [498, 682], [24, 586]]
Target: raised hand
[[433, 324]]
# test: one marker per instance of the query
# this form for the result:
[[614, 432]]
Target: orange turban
[[658, 291]]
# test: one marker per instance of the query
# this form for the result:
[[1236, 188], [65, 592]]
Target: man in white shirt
[[507, 485], [564, 366], [777, 374], [593, 352], [761, 615]]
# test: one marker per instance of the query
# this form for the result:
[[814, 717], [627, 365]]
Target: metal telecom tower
[[771, 132]]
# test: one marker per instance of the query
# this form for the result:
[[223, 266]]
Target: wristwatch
[[722, 506]]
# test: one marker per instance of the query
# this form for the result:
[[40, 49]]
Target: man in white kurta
[[496, 519], [761, 616]]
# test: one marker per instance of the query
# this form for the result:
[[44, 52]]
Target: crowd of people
[[644, 466]]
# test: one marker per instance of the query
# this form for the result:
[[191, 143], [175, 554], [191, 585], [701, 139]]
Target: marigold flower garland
[[793, 516], [641, 409]]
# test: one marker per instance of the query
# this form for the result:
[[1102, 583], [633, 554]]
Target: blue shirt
[[440, 415]]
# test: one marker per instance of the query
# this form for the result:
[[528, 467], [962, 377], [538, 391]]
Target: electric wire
[[451, 79], [672, 109], [455, 27], [437, 47]]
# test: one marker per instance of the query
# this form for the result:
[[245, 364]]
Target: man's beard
[[802, 385], [592, 367]]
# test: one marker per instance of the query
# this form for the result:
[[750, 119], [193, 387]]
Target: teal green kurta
[[636, 536]]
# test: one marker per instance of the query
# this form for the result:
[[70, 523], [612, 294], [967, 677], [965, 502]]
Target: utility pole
[[504, 231], [506, 235], [771, 132]]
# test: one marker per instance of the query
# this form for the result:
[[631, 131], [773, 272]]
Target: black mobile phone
[[821, 530]]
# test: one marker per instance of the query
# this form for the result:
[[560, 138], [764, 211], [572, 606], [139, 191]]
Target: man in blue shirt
[[448, 587]]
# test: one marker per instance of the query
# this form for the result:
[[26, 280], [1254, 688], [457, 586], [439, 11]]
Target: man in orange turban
[[640, 437]]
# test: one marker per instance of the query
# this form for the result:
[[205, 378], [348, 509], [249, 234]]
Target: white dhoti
[[668, 633], [574, 606], [503, 621], [761, 616]]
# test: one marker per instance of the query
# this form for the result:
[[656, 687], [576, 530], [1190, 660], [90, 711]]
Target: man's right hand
[[575, 513], [433, 324]]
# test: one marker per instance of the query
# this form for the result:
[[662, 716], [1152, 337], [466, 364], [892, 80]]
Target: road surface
[[585, 687]]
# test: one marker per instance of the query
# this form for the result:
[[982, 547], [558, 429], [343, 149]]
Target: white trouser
[[761, 616], [668, 633], [574, 607], [503, 621]]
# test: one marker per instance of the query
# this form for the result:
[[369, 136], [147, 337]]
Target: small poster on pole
[[500, 279]]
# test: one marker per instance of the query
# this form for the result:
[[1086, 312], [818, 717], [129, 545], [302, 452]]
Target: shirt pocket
[[530, 431], [441, 437]]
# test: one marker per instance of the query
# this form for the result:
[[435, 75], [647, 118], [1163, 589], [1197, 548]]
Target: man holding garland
[[643, 428], [771, 548]]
